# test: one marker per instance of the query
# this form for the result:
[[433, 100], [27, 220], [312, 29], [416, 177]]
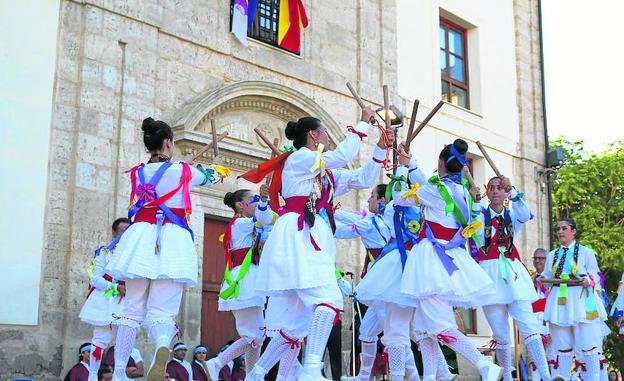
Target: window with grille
[[265, 22], [453, 64]]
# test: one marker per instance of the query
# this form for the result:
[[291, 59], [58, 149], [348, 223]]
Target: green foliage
[[590, 188]]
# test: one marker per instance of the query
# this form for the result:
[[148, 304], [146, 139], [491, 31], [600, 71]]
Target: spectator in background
[[134, 368], [199, 363], [178, 368], [238, 369], [105, 373], [80, 371]]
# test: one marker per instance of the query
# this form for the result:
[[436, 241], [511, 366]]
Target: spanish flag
[[292, 18]]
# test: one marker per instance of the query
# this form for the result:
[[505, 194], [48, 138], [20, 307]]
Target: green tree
[[589, 187]]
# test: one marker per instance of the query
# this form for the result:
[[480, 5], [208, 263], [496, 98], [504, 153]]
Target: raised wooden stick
[[209, 146], [386, 99], [471, 182], [215, 147], [355, 94], [488, 159], [410, 130], [424, 122], [569, 282], [267, 181], [274, 150]]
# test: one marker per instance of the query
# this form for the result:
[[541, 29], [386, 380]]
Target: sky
[[584, 62]]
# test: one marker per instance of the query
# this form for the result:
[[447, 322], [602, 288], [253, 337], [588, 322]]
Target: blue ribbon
[[379, 230], [447, 260], [456, 155]]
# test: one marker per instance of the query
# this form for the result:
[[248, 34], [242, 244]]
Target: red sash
[[439, 231], [148, 215]]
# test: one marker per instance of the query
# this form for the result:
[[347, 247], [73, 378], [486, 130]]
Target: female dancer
[[156, 255], [439, 271], [299, 261], [238, 293], [572, 310], [513, 287], [103, 301]]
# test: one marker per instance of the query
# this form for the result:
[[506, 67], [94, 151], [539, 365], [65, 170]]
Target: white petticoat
[[135, 255], [573, 312], [424, 275], [290, 262], [98, 309], [516, 288], [247, 296], [382, 283]]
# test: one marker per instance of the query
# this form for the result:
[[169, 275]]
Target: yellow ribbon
[[319, 164], [471, 229], [222, 171], [412, 193], [221, 238]]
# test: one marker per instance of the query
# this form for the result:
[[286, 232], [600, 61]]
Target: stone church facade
[[118, 62]]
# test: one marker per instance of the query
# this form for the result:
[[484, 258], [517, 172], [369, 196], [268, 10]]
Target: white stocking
[[396, 358], [126, 337], [411, 372]]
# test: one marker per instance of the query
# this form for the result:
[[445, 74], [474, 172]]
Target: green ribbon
[[450, 206], [562, 295], [504, 263], [337, 273], [234, 289], [287, 148], [111, 291], [394, 184]]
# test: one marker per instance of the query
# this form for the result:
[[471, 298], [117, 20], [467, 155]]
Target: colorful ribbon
[[504, 263], [319, 164], [412, 193], [111, 291], [394, 184], [562, 296], [234, 288]]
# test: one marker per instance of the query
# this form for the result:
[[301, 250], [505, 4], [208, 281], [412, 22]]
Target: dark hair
[[231, 198], [381, 190], [569, 221], [103, 370], [492, 179], [298, 131], [119, 221], [454, 165], [154, 133]]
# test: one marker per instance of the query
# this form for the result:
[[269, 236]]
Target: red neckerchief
[[275, 166]]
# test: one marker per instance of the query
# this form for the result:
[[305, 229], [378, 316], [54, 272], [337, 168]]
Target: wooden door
[[217, 328]]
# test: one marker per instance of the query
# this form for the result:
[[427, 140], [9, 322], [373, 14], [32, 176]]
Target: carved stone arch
[[240, 107]]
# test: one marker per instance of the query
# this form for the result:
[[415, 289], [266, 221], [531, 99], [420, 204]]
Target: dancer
[[299, 260], [571, 309], [238, 293], [156, 255], [513, 288], [103, 300], [439, 272]]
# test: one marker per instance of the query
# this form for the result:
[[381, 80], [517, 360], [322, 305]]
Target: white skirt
[[382, 283], [425, 275], [573, 312], [135, 254], [99, 310], [247, 296], [516, 288], [290, 262]]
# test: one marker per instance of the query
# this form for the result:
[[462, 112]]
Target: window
[[264, 26], [453, 64]]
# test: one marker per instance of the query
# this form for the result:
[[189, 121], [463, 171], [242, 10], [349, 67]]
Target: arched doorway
[[237, 108]]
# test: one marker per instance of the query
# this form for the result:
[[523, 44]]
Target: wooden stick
[[266, 141], [209, 146], [386, 98], [424, 122], [488, 159], [267, 181], [410, 130], [355, 94], [215, 147]]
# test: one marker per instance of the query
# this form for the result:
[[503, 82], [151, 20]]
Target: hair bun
[[149, 125], [228, 198], [291, 130], [461, 146]]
